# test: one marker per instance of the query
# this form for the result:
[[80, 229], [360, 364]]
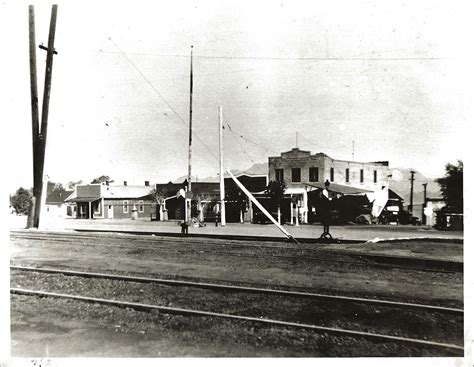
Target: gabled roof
[[111, 192], [125, 192], [393, 195], [57, 197]]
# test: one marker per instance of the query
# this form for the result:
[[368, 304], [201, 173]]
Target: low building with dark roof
[[205, 198], [55, 203], [104, 200]]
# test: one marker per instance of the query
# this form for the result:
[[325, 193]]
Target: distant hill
[[400, 183], [256, 169], [180, 179]]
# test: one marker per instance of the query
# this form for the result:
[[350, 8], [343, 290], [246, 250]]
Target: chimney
[[147, 183], [124, 183]]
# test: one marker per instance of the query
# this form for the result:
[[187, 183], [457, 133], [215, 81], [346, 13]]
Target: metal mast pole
[[41, 142], [34, 112], [410, 209], [221, 169], [188, 210]]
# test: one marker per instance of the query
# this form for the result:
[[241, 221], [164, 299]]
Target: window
[[141, 207], [332, 174], [347, 174], [375, 176], [361, 176], [125, 207], [313, 174], [296, 175], [279, 175]]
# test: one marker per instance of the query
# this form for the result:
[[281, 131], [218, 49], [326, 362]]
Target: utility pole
[[423, 216], [34, 111], [221, 169], [188, 212], [353, 150], [39, 141], [297, 139], [410, 208]]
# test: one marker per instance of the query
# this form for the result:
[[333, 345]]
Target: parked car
[[415, 221], [363, 219], [261, 218], [449, 221]]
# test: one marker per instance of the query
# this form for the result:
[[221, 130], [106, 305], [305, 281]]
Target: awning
[[294, 190], [83, 199], [340, 189]]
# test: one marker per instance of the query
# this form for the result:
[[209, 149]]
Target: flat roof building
[[303, 172]]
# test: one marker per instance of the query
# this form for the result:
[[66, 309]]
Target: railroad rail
[[368, 259], [192, 312], [235, 288]]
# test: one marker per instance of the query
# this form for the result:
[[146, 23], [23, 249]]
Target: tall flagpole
[[221, 169], [188, 216]]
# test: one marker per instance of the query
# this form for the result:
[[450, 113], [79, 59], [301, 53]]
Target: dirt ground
[[47, 327]]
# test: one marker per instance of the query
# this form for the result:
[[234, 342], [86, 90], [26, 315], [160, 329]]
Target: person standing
[[184, 227], [325, 210]]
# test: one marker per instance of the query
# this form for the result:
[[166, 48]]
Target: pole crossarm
[[46, 49]]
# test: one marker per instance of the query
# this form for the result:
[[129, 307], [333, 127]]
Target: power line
[[322, 147], [273, 58], [161, 96], [243, 149], [240, 143], [249, 140]]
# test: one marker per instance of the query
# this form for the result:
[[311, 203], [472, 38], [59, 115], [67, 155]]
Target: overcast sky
[[386, 75]]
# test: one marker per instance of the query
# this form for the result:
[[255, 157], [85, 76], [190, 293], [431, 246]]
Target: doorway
[[110, 212]]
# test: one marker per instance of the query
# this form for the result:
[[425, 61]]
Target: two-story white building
[[304, 172]]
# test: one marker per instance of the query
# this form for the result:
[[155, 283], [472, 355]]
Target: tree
[[72, 184], [158, 196], [101, 179], [55, 187], [452, 187], [22, 201], [276, 191]]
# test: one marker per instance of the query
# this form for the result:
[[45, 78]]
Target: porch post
[[90, 210], [291, 209], [251, 210], [305, 206], [297, 209]]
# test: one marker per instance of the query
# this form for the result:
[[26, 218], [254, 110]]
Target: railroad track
[[374, 309], [217, 247]]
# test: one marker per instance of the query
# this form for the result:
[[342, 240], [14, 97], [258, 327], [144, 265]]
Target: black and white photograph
[[259, 181]]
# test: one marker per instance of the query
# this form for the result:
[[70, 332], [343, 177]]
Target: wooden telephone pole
[[412, 178], [186, 199], [423, 215], [34, 111], [39, 134]]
